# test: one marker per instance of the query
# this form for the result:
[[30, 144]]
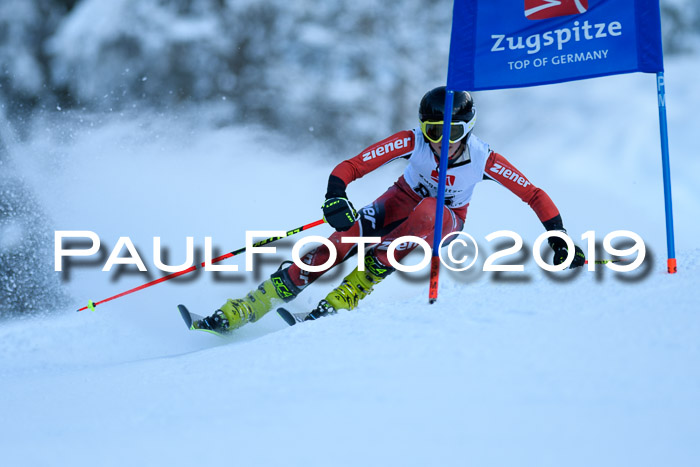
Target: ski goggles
[[432, 130]]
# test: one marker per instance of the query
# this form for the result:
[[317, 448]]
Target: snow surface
[[517, 369]]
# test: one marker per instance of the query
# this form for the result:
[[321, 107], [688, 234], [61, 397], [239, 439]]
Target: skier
[[406, 208]]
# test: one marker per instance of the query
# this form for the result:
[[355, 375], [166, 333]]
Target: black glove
[[339, 213], [559, 245], [561, 252]]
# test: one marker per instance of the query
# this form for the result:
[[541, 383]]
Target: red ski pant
[[396, 213]]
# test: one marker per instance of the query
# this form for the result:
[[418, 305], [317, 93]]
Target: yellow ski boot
[[236, 312], [356, 286]]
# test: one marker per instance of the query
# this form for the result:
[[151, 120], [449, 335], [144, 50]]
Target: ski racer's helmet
[[431, 114]]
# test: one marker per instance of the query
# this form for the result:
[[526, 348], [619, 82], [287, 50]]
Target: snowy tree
[[320, 69], [27, 282]]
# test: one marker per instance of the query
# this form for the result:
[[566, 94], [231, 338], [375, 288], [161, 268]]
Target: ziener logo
[[543, 9], [509, 174], [383, 149]]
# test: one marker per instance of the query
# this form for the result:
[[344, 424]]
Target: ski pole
[[606, 261], [91, 305]]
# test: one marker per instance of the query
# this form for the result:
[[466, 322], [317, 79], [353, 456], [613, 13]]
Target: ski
[[190, 318], [323, 309], [291, 318]]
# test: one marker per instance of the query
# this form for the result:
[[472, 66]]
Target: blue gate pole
[[440, 207], [661, 90]]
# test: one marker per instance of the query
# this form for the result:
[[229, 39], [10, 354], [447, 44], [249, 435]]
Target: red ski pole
[[91, 305]]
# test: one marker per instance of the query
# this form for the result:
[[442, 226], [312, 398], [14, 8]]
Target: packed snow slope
[[579, 369]]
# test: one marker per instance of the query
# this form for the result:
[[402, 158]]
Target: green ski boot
[[356, 286], [236, 312]]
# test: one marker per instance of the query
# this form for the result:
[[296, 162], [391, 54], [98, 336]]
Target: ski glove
[[559, 245], [561, 252], [339, 213]]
